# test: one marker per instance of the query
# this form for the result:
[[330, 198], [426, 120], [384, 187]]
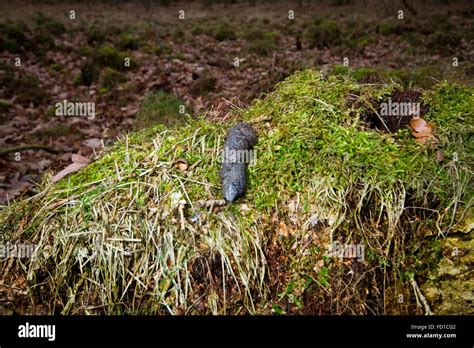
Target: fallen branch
[[27, 147]]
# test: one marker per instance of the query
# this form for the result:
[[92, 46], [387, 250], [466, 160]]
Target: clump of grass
[[89, 73], [109, 56], [13, 38], [21, 84], [48, 24], [197, 30], [396, 27], [178, 33], [161, 108], [442, 40], [132, 233], [110, 78], [324, 33], [440, 22], [261, 42], [96, 34], [223, 32]]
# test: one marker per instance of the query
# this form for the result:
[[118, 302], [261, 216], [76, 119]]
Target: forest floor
[[212, 60]]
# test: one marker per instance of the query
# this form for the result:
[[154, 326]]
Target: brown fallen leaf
[[422, 130], [78, 162], [419, 125], [80, 159], [94, 143]]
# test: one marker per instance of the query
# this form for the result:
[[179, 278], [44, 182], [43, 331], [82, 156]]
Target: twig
[[211, 202], [419, 295], [28, 147]]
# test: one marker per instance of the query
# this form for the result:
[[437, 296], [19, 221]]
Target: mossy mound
[[135, 233], [24, 86], [324, 33], [261, 42]]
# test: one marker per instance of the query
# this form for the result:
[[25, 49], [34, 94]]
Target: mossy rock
[[449, 286], [135, 233]]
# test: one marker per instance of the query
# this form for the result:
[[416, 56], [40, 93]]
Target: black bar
[[287, 330]]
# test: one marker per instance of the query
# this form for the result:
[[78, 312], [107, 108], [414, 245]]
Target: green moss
[[110, 78], [338, 69], [56, 67], [128, 41], [363, 73], [261, 42], [424, 77], [109, 56]]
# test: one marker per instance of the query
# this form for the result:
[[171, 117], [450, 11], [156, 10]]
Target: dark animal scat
[[241, 137]]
